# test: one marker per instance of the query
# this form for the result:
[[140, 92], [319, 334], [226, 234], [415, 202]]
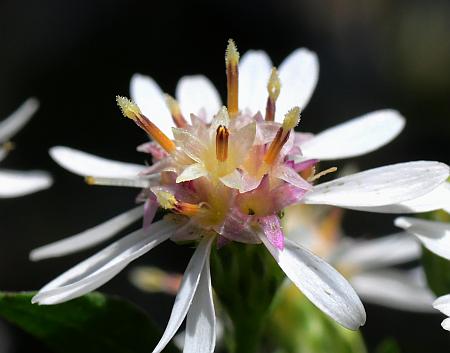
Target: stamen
[[134, 183], [132, 111], [175, 111], [168, 201], [222, 135], [291, 120], [232, 68], [322, 173], [273, 88], [8, 146]]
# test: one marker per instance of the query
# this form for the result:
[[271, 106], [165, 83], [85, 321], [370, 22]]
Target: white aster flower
[[210, 203], [15, 183], [366, 263]]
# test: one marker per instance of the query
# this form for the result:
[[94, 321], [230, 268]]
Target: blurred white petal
[[12, 124], [443, 304], [382, 252], [394, 289], [86, 164], [358, 136], [186, 292], [380, 186], [19, 183], [195, 93], [101, 267], [299, 73], [254, 73], [322, 284], [146, 93], [435, 236], [88, 238]]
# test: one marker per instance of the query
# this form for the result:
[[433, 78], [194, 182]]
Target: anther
[[222, 135], [232, 69], [273, 89], [175, 111], [169, 202], [132, 111]]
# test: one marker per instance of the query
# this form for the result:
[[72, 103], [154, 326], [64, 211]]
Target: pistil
[[291, 120], [273, 89], [175, 111], [232, 68], [132, 111]]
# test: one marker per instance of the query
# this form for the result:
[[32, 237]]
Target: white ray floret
[[355, 137], [18, 183], [89, 237], [86, 164], [435, 236], [380, 186]]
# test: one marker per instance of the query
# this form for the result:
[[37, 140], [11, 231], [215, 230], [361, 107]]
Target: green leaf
[[297, 326], [437, 270], [389, 345], [91, 324]]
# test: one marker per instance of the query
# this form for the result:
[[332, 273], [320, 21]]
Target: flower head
[[226, 176]]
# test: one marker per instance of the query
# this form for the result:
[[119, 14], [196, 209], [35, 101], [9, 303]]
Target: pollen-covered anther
[[132, 111], [291, 120], [322, 173], [168, 201], [222, 136], [175, 111], [232, 69], [273, 89]]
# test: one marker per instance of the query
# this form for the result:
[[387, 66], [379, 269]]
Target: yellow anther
[[175, 111], [129, 109], [166, 200], [8, 146], [232, 68], [291, 119], [222, 135], [274, 85], [132, 111]]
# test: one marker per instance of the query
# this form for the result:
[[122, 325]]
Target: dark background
[[75, 56]]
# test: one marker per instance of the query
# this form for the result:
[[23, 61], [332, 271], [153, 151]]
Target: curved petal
[[88, 238], [321, 283], [382, 252], [254, 73], [12, 124], [435, 236], [299, 73], [355, 137], [195, 93], [290, 176], [186, 293], [86, 164], [394, 289], [146, 93], [101, 267], [18, 183], [434, 200], [380, 186], [194, 171], [200, 334]]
